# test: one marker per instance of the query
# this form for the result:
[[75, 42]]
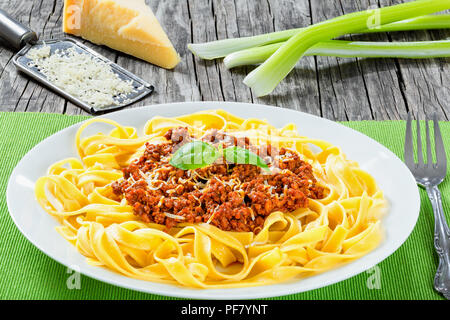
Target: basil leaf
[[244, 156], [194, 155]]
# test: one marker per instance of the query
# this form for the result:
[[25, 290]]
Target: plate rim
[[209, 293]]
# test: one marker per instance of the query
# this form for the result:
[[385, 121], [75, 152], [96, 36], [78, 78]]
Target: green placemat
[[27, 273]]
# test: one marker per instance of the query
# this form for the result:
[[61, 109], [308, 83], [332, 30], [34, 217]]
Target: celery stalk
[[266, 77], [221, 48], [347, 49], [362, 49]]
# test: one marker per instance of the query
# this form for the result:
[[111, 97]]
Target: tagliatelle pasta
[[341, 226]]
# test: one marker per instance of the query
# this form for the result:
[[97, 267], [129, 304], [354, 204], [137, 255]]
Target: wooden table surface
[[334, 88]]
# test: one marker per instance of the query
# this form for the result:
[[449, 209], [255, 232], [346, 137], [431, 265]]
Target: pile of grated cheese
[[85, 77]]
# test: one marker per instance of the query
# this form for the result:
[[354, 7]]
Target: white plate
[[392, 175]]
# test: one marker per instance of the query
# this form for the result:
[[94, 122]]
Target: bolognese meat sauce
[[232, 197]]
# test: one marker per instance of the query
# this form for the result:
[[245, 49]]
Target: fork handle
[[441, 243]]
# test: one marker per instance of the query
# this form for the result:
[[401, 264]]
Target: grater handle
[[14, 33]]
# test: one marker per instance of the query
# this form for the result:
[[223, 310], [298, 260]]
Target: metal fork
[[429, 175]]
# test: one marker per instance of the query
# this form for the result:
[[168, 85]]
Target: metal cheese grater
[[23, 39]]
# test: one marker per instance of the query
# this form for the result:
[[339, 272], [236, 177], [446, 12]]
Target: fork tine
[[441, 159], [409, 151], [429, 153], [419, 144]]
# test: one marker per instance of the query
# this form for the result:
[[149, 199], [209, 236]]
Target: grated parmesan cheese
[[83, 76]]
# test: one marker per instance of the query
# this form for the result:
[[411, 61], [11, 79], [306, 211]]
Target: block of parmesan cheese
[[125, 25]]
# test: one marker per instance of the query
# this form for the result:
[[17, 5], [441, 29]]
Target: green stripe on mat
[[27, 273]]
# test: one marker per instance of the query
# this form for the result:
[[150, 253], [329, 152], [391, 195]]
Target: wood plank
[[231, 21], [170, 85], [354, 89], [201, 16]]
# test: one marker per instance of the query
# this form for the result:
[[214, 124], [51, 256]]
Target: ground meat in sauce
[[232, 197]]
